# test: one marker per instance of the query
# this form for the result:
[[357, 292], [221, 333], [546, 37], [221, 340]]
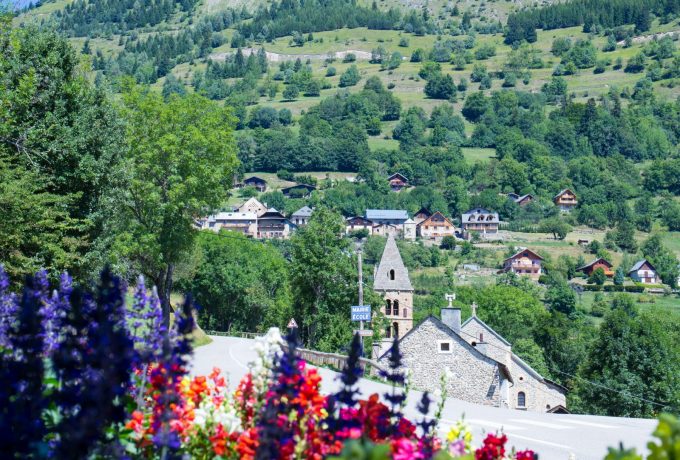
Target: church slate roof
[[391, 260]]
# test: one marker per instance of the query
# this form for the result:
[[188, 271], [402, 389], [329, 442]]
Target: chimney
[[451, 317]]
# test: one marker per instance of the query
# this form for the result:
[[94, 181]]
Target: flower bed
[[85, 377]]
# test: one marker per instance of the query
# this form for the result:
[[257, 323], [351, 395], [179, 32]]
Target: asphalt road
[[554, 436]]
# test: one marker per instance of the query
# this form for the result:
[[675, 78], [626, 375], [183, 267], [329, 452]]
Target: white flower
[[200, 416], [448, 373]]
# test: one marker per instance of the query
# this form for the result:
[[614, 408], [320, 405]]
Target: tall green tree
[[180, 160], [241, 284], [632, 368], [56, 127], [323, 279], [36, 230]]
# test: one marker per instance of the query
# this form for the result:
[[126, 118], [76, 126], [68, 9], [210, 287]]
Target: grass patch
[[478, 155]]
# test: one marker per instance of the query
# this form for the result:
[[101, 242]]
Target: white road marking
[[231, 355], [580, 422], [496, 425], [540, 441], [543, 424]]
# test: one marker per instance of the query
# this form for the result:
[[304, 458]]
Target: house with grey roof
[[301, 216], [480, 221], [644, 272], [242, 222], [481, 365], [387, 216]]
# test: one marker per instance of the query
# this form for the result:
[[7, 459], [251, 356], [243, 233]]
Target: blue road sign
[[361, 312]]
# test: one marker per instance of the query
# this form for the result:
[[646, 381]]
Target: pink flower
[[403, 449], [457, 448]]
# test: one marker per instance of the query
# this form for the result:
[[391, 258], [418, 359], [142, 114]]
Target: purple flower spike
[[8, 308]]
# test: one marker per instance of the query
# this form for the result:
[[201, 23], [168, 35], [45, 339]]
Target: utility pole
[[361, 294]]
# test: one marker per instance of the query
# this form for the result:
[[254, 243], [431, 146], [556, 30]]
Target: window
[[405, 312], [395, 327], [481, 337], [521, 399], [395, 307], [444, 346], [392, 275], [388, 332], [388, 308]]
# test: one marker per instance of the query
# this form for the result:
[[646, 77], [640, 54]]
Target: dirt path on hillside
[[278, 57], [649, 38]]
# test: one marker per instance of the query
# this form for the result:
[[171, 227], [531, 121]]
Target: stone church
[[482, 367]]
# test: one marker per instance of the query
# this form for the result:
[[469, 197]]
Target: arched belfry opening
[[392, 274]]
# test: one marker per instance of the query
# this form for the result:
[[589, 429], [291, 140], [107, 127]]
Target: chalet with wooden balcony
[[436, 227], [604, 264], [397, 182], [565, 200], [525, 262], [273, 224]]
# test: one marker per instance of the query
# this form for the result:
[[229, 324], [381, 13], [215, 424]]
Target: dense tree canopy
[[182, 150]]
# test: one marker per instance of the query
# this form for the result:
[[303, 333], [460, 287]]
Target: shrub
[[350, 77], [634, 288], [331, 71], [349, 57]]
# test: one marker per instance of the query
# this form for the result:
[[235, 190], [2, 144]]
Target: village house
[[356, 223], [421, 215], [242, 222], [387, 230], [393, 222], [436, 227], [524, 199], [480, 221], [273, 224], [301, 217], [252, 205], [392, 282], [298, 191], [604, 264], [257, 182], [644, 272], [524, 262], [480, 364], [565, 200], [397, 182]]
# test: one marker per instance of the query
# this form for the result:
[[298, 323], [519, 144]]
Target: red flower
[[246, 444], [492, 449], [525, 455]]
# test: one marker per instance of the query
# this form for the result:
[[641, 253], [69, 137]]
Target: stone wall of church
[[475, 378], [538, 396]]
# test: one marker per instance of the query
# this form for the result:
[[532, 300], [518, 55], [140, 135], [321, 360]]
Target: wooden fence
[[337, 361]]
